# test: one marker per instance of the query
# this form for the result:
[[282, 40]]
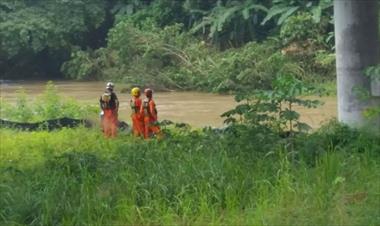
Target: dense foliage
[[167, 58], [212, 45], [36, 36], [75, 177], [147, 51]]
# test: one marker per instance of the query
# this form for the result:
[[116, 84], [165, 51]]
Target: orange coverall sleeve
[[152, 107]]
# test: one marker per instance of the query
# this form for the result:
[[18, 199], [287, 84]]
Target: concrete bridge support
[[357, 47]]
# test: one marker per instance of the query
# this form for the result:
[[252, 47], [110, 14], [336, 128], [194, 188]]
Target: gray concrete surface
[[357, 47]]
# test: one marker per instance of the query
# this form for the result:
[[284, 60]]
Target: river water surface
[[196, 108]]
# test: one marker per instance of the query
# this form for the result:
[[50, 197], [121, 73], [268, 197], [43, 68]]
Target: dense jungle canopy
[[222, 45]]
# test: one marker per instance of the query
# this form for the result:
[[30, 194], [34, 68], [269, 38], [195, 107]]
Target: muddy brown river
[[196, 108]]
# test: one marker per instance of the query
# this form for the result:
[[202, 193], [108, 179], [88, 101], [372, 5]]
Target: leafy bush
[[170, 58], [373, 73], [274, 109], [301, 27], [89, 64], [232, 23], [152, 48], [337, 137], [135, 55], [22, 110], [166, 58], [49, 105], [309, 44]]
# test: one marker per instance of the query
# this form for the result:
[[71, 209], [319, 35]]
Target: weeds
[[49, 105], [247, 173], [75, 177]]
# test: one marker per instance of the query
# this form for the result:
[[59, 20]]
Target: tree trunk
[[357, 47]]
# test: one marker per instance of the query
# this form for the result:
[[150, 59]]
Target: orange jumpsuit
[[110, 123], [110, 117], [149, 112], [137, 117]]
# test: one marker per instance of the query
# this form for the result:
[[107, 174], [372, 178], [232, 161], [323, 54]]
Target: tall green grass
[[76, 177], [48, 105]]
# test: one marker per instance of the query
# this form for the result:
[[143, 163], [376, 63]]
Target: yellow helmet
[[135, 92]]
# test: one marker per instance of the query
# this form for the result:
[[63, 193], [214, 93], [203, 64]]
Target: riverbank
[[76, 177]]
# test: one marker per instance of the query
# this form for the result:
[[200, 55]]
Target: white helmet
[[110, 85]]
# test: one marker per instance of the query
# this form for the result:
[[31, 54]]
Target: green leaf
[[225, 16], [230, 121], [303, 127], [228, 113], [204, 23], [246, 14], [275, 10], [317, 12], [246, 10], [289, 115], [373, 72], [288, 13]]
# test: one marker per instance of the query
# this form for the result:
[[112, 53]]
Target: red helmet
[[148, 93]]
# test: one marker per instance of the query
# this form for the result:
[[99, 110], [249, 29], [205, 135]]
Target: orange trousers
[[137, 125], [150, 128], [110, 123]]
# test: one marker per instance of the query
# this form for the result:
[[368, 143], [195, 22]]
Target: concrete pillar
[[357, 47]]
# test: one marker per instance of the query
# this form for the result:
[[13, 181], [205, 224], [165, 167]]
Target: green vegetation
[[243, 176], [170, 57], [274, 109], [214, 45], [37, 36], [253, 172], [264, 168], [49, 105], [373, 73]]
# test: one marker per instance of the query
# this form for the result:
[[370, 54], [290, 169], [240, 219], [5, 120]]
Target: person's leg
[[113, 130], [108, 123], [140, 126], [115, 123], [146, 127], [135, 126], [106, 126]]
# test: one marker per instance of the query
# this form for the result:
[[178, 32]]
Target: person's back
[[149, 112], [110, 106], [136, 116], [149, 109]]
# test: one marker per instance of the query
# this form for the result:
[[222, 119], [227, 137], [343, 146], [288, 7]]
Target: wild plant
[[275, 109], [48, 105]]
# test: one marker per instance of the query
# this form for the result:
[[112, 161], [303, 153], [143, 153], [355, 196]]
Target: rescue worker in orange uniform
[[149, 112], [136, 116], [110, 106]]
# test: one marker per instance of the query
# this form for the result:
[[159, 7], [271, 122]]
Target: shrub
[[274, 109], [89, 64], [170, 58], [22, 111], [49, 105]]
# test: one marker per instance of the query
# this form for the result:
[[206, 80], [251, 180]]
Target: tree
[[33, 29], [232, 23], [281, 10]]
